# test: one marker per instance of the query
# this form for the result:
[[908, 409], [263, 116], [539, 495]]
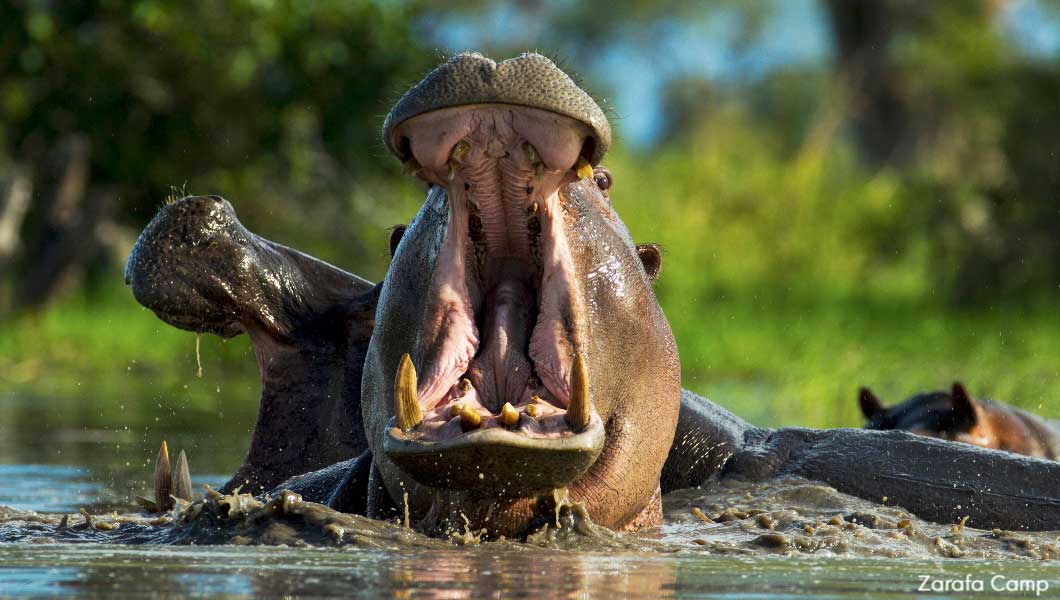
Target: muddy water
[[788, 538]]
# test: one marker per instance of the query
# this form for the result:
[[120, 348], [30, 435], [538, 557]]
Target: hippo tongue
[[501, 369]]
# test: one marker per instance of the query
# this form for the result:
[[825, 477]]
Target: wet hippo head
[[518, 347], [198, 268], [950, 415]]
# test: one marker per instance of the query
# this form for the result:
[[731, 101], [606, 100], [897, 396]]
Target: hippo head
[[950, 415], [518, 347], [514, 358], [198, 268]]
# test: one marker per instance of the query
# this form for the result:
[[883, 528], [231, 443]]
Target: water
[[467, 573], [789, 539]]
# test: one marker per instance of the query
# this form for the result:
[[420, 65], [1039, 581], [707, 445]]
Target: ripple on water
[[789, 538], [790, 517], [47, 488]]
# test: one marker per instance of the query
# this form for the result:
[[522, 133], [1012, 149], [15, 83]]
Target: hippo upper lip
[[529, 80]]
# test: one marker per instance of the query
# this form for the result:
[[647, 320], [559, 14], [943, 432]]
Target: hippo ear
[[396, 233], [870, 404], [651, 258], [965, 407]]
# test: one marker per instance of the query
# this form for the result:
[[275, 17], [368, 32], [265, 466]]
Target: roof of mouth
[[528, 80]]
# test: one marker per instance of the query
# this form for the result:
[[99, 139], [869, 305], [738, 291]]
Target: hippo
[[957, 416], [514, 359]]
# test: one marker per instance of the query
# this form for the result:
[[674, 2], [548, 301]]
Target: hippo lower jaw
[[504, 380], [497, 461]]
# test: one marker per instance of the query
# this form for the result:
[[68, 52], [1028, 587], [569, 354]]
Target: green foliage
[[227, 96]]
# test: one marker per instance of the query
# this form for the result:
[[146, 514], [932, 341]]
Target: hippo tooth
[[532, 209], [578, 410], [509, 416], [460, 151], [465, 385], [455, 409], [530, 152], [411, 167], [457, 158], [469, 418], [163, 479], [532, 410], [583, 168], [182, 478], [406, 401]]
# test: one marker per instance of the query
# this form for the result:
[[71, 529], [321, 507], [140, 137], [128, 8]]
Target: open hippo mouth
[[503, 388]]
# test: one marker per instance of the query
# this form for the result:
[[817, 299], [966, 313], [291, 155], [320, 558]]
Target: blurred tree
[[936, 90], [107, 104]]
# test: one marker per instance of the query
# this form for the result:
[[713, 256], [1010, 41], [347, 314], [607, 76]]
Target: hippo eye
[[603, 178]]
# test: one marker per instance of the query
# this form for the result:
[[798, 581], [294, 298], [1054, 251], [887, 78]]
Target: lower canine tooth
[[163, 479], [578, 411], [469, 418], [182, 479], [406, 400], [509, 416]]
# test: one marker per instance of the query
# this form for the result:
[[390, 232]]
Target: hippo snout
[[184, 264]]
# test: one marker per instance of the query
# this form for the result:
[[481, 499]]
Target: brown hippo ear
[[651, 258], [965, 407], [870, 404], [396, 233]]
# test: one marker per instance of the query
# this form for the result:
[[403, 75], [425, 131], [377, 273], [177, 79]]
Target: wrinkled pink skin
[[497, 189], [497, 312]]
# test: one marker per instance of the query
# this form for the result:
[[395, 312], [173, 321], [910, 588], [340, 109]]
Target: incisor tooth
[[469, 418], [406, 401], [455, 409], [578, 411], [465, 385], [583, 169], [532, 410], [163, 479], [509, 416]]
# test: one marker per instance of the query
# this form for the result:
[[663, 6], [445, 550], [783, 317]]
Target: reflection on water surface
[[797, 539]]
